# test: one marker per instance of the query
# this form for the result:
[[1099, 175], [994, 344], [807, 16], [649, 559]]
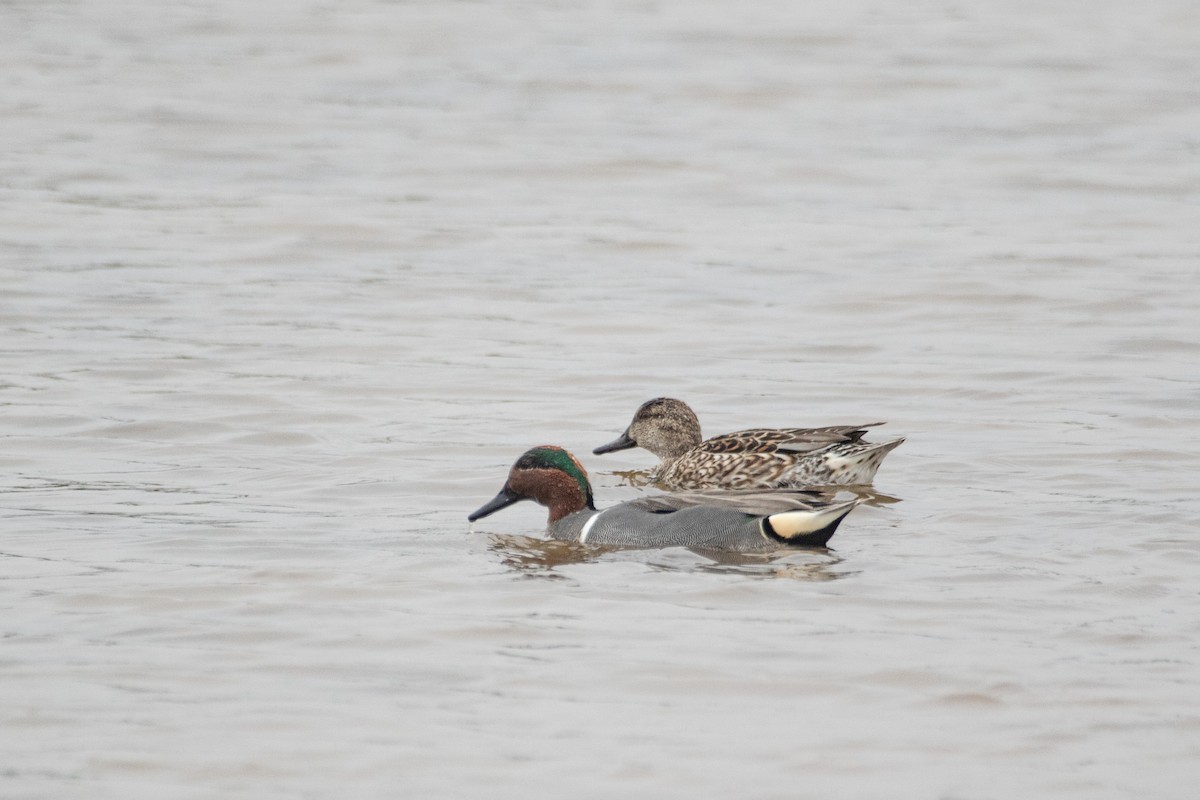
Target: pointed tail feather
[[859, 464], [886, 447], [806, 528]]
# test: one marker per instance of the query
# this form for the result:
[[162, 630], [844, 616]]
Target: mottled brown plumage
[[753, 458]]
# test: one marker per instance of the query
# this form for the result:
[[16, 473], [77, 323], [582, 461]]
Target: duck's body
[[741, 522], [735, 524], [754, 458]]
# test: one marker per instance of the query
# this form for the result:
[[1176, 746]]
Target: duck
[[755, 458], [738, 522]]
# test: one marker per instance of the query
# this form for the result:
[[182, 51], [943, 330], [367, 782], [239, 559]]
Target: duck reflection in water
[[533, 557]]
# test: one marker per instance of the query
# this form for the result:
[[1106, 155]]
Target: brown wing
[[783, 440]]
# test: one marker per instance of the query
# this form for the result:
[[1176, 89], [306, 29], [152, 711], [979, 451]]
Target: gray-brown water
[[288, 286]]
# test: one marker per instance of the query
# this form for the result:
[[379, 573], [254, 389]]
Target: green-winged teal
[[755, 458], [742, 522]]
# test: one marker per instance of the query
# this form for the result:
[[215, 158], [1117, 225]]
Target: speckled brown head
[[664, 426], [548, 475]]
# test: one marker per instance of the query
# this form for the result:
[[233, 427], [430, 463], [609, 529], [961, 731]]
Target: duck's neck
[[671, 447], [669, 457], [558, 512], [565, 498]]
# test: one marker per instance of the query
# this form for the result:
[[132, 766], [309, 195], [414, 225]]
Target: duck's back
[[717, 463]]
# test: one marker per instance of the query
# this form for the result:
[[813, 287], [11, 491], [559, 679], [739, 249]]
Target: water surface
[[288, 286]]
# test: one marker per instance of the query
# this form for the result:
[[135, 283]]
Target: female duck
[[756, 458], [743, 522]]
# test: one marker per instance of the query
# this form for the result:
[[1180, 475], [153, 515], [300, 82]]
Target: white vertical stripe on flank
[[587, 526]]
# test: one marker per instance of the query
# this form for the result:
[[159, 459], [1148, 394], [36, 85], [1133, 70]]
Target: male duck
[[742, 522], [756, 458]]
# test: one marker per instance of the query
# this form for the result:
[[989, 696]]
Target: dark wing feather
[[783, 440], [759, 502]]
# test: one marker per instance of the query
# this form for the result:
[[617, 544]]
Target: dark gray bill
[[506, 498], [622, 442]]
